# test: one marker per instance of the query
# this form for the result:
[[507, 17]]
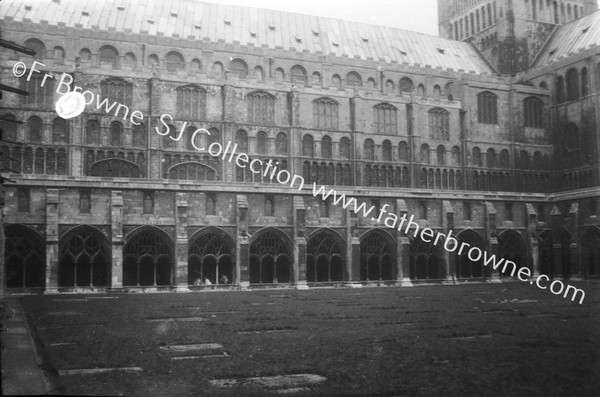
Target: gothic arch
[[426, 261], [377, 256], [512, 247], [465, 267], [325, 256], [270, 257], [147, 258], [84, 258], [211, 254], [25, 257]]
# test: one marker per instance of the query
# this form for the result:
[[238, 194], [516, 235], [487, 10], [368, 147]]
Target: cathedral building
[[490, 131]]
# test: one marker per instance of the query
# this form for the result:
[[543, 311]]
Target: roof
[[190, 19], [569, 39]]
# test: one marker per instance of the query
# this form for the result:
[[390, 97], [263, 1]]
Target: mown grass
[[423, 341]]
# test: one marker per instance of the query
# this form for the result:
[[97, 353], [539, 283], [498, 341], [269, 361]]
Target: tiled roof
[[263, 28], [579, 35]]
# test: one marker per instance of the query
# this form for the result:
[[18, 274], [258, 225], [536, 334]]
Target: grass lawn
[[506, 339]]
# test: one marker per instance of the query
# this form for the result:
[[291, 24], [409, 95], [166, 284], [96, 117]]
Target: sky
[[415, 15]]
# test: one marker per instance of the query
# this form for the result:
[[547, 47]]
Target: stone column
[[299, 265], [51, 241], [405, 265], [354, 263], [490, 228], [449, 258], [532, 217], [181, 243], [242, 260], [575, 271], [557, 259], [116, 207]]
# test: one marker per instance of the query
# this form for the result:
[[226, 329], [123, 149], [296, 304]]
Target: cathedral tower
[[509, 33]]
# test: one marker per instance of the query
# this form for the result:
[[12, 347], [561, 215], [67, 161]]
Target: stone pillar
[[116, 209], [354, 263], [181, 243], [532, 217], [490, 229], [299, 265], [557, 259], [405, 262], [51, 241], [447, 226], [575, 271], [242, 261]]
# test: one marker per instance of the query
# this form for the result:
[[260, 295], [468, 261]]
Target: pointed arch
[[211, 254], [147, 257], [270, 257], [326, 258], [24, 257], [84, 258], [377, 256]]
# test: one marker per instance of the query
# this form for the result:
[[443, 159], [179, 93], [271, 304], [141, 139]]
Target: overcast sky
[[415, 15]]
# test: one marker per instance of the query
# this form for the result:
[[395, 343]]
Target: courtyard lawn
[[507, 339]]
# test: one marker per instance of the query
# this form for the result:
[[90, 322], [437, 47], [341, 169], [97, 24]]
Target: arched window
[[148, 203], [191, 102], [217, 69], [269, 210], [491, 158], [92, 133], [174, 61], [238, 68], [390, 87], [298, 74], [37, 46], [437, 91], [403, 152], [196, 65], [34, 125], [369, 150], [281, 144], [279, 75], [60, 131], [316, 78], [425, 159], [456, 156], [345, 148], [406, 85], [504, 158], [487, 108], [439, 124], [386, 150], [138, 138], [325, 114], [421, 91], [241, 138], [386, 119], [210, 204], [147, 259], [572, 84], [259, 73], [116, 132], [59, 55], [38, 96], [441, 155], [326, 150], [533, 112], [353, 79], [476, 158], [110, 55], [585, 88], [261, 108], [308, 148], [84, 258], [116, 90], [336, 81], [560, 89], [261, 143], [130, 60]]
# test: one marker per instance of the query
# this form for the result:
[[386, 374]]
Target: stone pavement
[[21, 372]]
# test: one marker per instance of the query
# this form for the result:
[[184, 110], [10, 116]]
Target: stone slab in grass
[[191, 348], [64, 313], [70, 300], [103, 297], [273, 382], [184, 319], [93, 371], [181, 358], [264, 331], [473, 337]]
